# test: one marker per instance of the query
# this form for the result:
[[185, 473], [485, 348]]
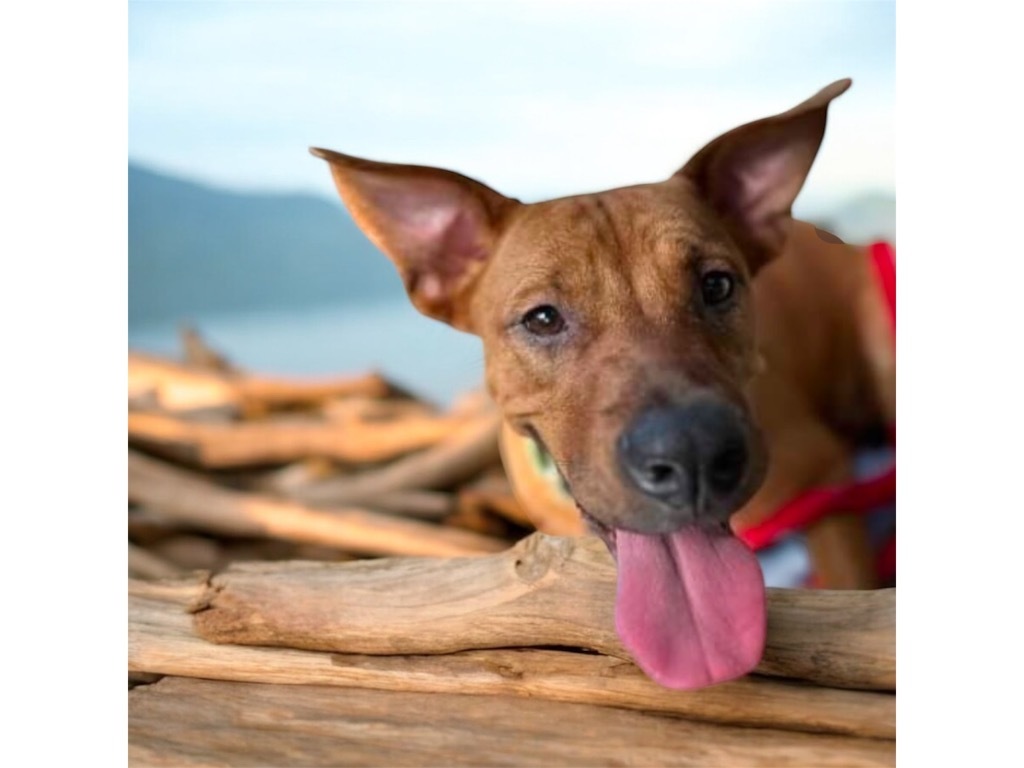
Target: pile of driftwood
[[226, 466], [487, 651]]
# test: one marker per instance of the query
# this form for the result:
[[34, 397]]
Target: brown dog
[[626, 332]]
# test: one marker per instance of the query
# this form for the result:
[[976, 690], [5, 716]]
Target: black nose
[[690, 455]]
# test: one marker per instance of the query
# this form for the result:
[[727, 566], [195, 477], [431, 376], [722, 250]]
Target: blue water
[[424, 356]]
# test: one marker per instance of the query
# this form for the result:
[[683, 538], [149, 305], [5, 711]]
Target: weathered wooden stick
[[146, 526], [141, 678], [182, 494], [276, 392], [492, 492], [282, 481], [175, 387], [481, 520], [187, 722], [504, 504], [470, 449], [197, 353], [353, 408], [161, 639], [423, 505], [144, 564], [546, 591], [217, 446], [190, 552], [178, 387]]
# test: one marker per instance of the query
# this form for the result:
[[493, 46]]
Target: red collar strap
[[883, 257], [858, 496]]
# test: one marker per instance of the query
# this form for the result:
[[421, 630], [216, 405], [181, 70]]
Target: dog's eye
[[717, 287], [544, 320]]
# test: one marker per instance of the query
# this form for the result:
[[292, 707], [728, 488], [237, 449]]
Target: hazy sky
[[535, 99]]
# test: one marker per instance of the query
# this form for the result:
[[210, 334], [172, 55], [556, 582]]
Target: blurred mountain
[[862, 219], [194, 249]]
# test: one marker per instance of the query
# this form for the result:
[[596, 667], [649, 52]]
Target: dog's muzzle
[[694, 457]]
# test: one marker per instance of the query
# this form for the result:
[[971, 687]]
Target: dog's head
[[618, 330]]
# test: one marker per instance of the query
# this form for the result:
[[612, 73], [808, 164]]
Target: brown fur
[[803, 352]]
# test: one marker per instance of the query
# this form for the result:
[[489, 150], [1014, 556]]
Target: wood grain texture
[[277, 441], [462, 455], [546, 591], [188, 497], [144, 564], [186, 722], [162, 640], [181, 388]]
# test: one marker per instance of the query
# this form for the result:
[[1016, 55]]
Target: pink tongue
[[690, 605]]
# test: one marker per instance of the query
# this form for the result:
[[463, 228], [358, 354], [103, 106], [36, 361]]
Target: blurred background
[[236, 230]]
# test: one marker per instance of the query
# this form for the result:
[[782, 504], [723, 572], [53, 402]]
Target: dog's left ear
[[752, 174], [437, 226]]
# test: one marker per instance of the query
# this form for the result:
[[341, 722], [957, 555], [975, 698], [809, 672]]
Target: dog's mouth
[[690, 605]]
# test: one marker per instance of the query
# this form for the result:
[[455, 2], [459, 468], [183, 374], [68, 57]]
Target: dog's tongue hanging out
[[690, 605]]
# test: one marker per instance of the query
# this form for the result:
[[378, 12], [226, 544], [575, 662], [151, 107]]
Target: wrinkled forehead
[[621, 246]]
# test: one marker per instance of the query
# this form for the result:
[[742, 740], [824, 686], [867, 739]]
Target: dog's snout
[[689, 456], [657, 455]]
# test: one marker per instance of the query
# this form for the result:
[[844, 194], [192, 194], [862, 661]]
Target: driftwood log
[[162, 640], [546, 591], [185, 496], [197, 353], [220, 445], [186, 722], [470, 449], [144, 564], [423, 505], [174, 387]]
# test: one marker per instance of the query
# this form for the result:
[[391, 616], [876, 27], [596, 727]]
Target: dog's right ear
[[438, 227]]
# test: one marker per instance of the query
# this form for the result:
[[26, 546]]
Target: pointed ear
[[438, 227], [752, 174]]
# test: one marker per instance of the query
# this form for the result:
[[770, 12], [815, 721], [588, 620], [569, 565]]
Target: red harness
[[858, 496]]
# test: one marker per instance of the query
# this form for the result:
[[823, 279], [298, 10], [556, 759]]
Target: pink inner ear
[[450, 239], [420, 213], [437, 227], [767, 184]]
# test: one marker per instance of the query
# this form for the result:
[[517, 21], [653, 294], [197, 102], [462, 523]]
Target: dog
[[689, 354]]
